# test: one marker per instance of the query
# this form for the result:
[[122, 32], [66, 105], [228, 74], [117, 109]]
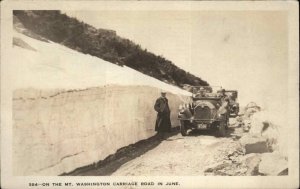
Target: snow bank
[[55, 66], [58, 131], [72, 109]]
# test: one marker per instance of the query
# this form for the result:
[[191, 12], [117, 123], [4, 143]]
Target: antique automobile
[[206, 109], [234, 107]]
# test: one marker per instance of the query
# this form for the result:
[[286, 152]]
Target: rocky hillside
[[261, 140], [105, 44]]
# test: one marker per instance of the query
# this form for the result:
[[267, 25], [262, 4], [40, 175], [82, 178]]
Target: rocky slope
[[258, 147], [102, 43]]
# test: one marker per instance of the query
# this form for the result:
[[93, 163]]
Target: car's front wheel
[[222, 129], [237, 111], [183, 128]]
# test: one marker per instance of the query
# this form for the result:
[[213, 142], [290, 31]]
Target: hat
[[163, 91]]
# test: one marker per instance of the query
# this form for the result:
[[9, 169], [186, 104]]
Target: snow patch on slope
[[56, 66]]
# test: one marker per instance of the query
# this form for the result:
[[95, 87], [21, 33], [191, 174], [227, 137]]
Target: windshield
[[206, 91]]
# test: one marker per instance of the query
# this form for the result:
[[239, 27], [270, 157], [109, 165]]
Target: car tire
[[222, 129], [227, 123], [183, 128], [237, 112]]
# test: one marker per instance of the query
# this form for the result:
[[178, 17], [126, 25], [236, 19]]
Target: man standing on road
[[202, 92], [163, 122]]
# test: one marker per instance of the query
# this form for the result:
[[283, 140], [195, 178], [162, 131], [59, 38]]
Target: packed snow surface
[[56, 66]]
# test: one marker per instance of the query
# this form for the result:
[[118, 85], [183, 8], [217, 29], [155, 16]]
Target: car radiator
[[202, 112]]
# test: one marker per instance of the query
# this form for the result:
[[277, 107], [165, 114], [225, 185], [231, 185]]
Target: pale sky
[[243, 50]]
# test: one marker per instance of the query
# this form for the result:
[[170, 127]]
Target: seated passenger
[[201, 92]]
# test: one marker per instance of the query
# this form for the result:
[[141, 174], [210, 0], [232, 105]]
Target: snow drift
[[72, 109], [51, 66]]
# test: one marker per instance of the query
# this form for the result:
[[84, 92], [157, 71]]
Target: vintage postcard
[[149, 94]]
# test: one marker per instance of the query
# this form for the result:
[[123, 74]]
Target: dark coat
[[163, 122]]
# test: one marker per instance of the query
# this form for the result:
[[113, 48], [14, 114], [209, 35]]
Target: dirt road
[[176, 155], [172, 155]]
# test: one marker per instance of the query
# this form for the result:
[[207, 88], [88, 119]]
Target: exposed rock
[[216, 167], [284, 172], [254, 144], [247, 114], [251, 161], [250, 112], [234, 122], [239, 166], [256, 125], [246, 125], [225, 169], [273, 164], [19, 42], [272, 135], [252, 105], [237, 133], [264, 137], [261, 125], [239, 120], [225, 160]]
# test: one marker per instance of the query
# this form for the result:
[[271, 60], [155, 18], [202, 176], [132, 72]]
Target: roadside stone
[[254, 144], [257, 125], [226, 160], [284, 172], [251, 161], [242, 170], [216, 167], [253, 106], [273, 164], [238, 133], [272, 135], [234, 123], [246, 125], [250, 111]]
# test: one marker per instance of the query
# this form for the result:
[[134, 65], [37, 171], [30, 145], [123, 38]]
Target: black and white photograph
[[149, 94]]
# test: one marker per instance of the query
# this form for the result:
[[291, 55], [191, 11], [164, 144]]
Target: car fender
[[185, 114], [222, 110]]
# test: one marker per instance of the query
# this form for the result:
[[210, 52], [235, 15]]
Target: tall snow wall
[[57, 131]]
